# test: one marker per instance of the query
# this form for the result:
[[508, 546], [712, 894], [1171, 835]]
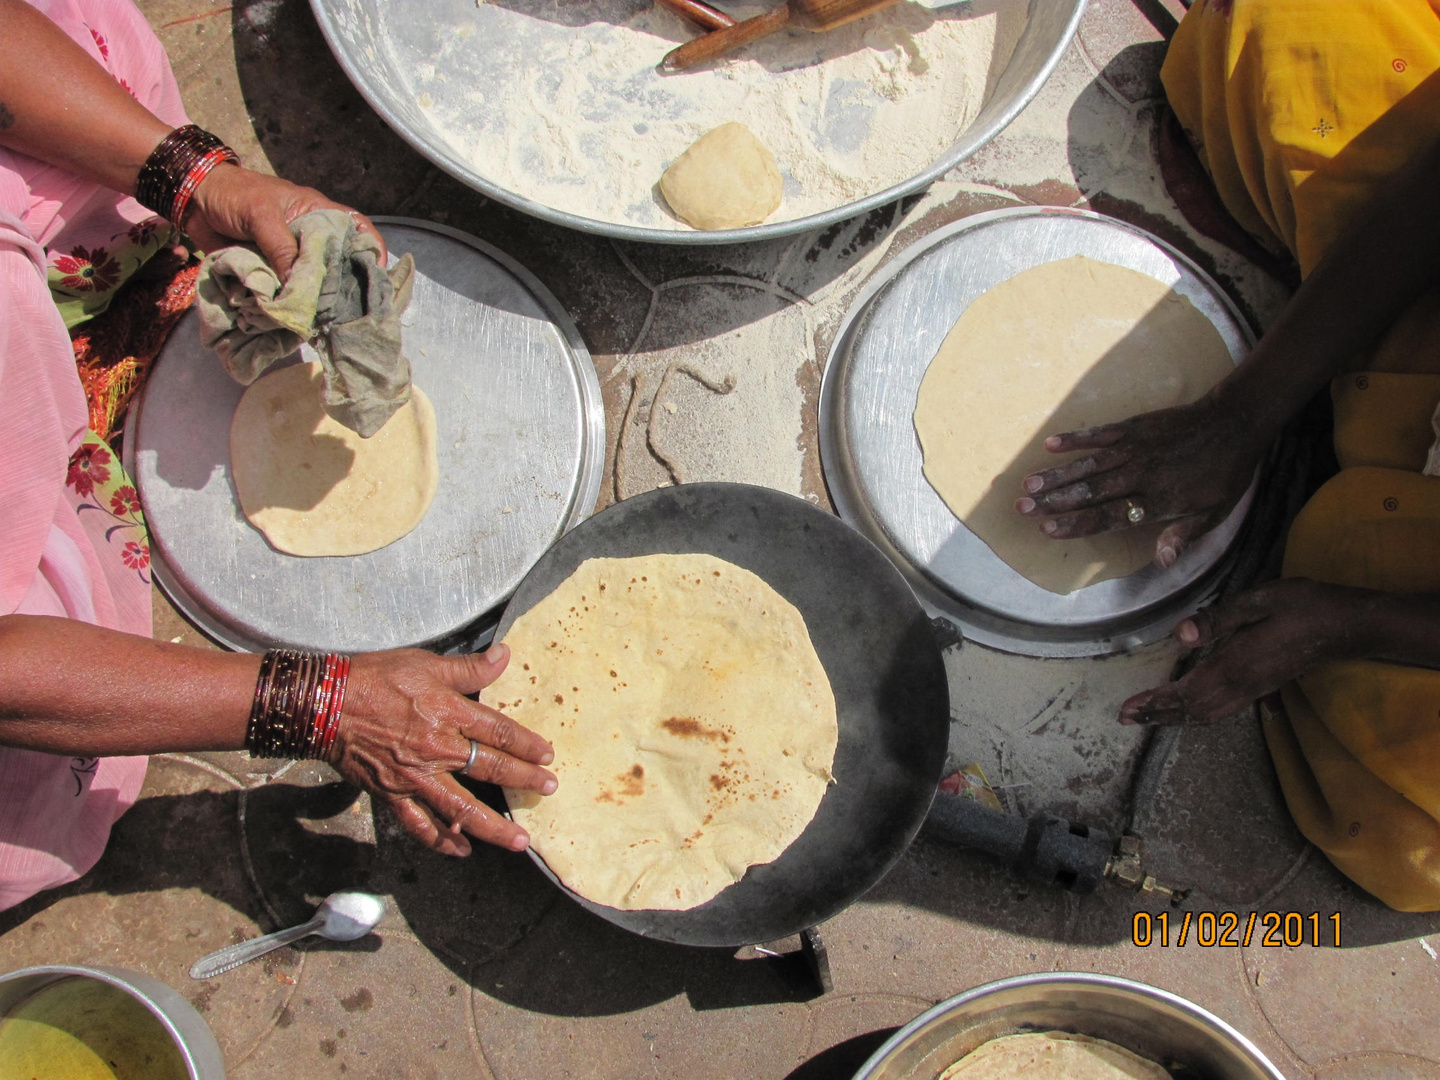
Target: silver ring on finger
[[1134, 512], [470, 761]]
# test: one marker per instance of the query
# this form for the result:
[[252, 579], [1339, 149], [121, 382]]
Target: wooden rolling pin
[[809, 14], [700, 14]]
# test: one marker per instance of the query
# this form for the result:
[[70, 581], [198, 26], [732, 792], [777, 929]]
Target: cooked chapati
[[693, 724]]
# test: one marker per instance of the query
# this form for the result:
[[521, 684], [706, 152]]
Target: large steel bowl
[[369, 38], [1154, 1023], [192, 1037]]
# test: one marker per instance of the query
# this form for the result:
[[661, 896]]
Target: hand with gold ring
[[409, 725], [1186, 467]]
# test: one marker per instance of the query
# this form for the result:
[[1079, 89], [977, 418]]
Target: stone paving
[[710, 362]]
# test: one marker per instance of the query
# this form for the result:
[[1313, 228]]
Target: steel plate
[[872, 456], [521, 440], [381, 44]]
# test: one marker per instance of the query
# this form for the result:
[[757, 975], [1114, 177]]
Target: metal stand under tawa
[[811, 957]]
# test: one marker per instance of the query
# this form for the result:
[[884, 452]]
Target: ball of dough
[[726, 180]]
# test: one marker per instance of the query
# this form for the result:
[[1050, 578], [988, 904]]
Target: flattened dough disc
[[313, 486], [1065, 345], [693, 724]]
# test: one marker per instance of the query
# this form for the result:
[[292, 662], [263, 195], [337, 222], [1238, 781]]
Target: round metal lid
[[521, 441], [872, 456]]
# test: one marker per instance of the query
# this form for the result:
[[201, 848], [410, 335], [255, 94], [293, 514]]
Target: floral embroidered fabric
[[98, 484]]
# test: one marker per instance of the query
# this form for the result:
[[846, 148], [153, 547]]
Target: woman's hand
[[234, 204], [1272, 635], [407, 726], [1188, 466]]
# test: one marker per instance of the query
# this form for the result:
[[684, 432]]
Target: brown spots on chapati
[[632, 783], [559, 699], [628, 785], [690, 840], [687, 727], [525, 666], [718, 782], [612, 674], [715, 572], [556, 644], [534, 678]]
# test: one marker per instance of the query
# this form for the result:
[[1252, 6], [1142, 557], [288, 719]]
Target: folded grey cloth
[[338, 296]]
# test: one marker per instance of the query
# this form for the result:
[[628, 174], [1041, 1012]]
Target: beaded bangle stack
[[298, 698], [176, 167]]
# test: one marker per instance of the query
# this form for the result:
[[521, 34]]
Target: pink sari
[[55, 558]]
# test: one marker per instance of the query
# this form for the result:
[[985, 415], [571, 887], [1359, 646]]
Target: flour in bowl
[[562, 102]]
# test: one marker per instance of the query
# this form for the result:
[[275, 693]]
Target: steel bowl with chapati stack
[[383, 47], [1190, 1042]]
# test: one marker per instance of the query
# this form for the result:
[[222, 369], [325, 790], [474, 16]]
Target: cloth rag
[[337, 296]]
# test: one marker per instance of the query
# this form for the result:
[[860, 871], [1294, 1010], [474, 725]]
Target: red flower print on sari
[[124, 501], [88, 271], [100, 43], [128, 89], [88, 467], [142, 232], [135, 555]]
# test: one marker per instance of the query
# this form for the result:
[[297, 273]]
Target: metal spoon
[[343, 916]]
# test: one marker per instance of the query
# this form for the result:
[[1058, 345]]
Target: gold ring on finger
[[1134, 512]]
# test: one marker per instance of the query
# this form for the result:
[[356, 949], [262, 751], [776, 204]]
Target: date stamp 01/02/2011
[[1229, 929]]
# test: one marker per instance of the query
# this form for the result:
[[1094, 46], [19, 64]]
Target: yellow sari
[[1300, 109]]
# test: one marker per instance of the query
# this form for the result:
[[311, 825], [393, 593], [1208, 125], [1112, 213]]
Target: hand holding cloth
[[338, 296]]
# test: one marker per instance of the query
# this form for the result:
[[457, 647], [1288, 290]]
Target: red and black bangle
[[298, 698], [177, 167]]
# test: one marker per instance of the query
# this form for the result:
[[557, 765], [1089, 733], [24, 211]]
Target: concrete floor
[[481, 968]]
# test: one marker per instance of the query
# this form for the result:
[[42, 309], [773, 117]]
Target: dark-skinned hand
[[406, 729], [1187, 466], [1266, 638], [235, 204]]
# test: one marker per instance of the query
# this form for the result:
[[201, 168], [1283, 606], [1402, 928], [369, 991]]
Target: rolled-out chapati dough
[[693, 724], [1052, 1055], [1065, 345], [313, 486], [726, 180]]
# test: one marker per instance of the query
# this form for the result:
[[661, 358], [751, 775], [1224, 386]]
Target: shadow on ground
[[843, 1060]]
